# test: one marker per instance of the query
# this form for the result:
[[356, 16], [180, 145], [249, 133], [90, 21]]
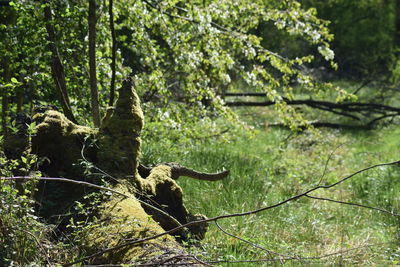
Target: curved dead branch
[[179, 170], [130, 242]]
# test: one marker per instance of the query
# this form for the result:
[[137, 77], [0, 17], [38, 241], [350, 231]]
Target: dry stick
[[341, 113], [362, 86], [327, 162], [382, 117], [94, 186], [139, 241], [318, 124], [353, 204]]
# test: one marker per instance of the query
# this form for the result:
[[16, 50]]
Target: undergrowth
[[267, 165], [271, 165]]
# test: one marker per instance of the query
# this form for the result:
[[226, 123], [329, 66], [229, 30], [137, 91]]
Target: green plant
[[271, 165]]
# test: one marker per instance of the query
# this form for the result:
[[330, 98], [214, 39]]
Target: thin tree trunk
[[20, 100], [4, 97], [92, 63], [56, 66], [7, 17], [113, 53], [397, 27]]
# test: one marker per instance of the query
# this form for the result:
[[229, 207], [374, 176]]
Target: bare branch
[[327, 162], [353, 204], [94, 186], [323, 124], [362, 86], [304, 194]]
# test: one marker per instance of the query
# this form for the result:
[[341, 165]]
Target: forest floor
[[269, 165]]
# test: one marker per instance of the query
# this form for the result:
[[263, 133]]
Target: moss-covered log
[[117, 153], [121, 219]]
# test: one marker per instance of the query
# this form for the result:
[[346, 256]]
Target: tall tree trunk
[[397, 26], [56, 67], [7, 17], [113, 53], [20, 100], [4, 96], [92, 63]]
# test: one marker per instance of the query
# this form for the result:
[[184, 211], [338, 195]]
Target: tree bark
[[92, 63], [4, 97], [8, 17], [155, 206], [113, 53], [56, 66]]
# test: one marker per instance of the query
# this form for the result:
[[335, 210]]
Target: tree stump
[[151, 204]]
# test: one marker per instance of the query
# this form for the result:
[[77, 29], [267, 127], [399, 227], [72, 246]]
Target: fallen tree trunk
[[321, 124], [370, 112], [347, 106], [147, 205]]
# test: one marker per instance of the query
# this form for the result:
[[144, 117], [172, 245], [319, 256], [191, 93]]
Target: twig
[[322, 124], [94, 186], [383, 117], [94, 166], [327, 162], [342, 113], [304, 194], [362, 86], [353, 204]]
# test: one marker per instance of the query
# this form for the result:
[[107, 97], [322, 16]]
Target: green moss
[[120, 218], [120, 134], [61, 141], [124, 218], [164, 190]]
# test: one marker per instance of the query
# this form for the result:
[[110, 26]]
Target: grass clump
[[271, 165]]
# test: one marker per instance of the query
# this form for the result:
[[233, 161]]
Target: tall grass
[[272, 165]]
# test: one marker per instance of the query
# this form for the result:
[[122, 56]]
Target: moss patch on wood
[[117, 153], [124, 219], [119, 137]]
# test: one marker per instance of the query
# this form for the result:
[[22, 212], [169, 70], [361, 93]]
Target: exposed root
[[178, 170]]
